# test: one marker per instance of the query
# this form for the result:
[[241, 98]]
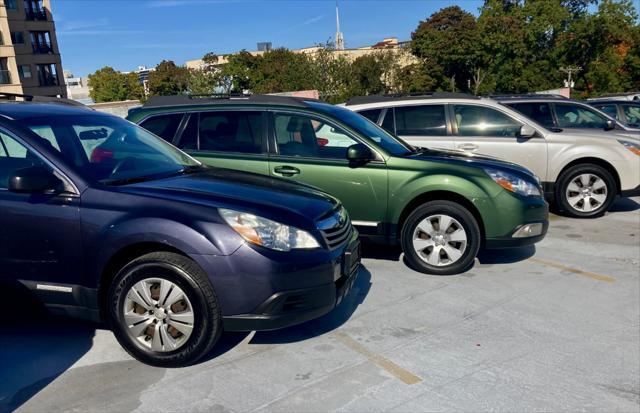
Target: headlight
[[513, 183], [267, 233], [631, 146]]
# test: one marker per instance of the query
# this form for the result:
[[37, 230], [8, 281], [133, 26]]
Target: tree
[[109, 85], [239, 72], [281, 70], [168, 79], [449, 38]]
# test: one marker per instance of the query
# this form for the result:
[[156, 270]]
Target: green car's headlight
[[513, 183], [267, 233]]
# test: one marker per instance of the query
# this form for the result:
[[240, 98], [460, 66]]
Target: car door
[[234, 139], [301, 153], [488, 131], [40, 237], [420, 125]]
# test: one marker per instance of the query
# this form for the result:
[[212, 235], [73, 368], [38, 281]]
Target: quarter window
[[164, 126], [573, 116], [231, 132], [482, 121], [307, 137], [540, 112], [427, 120]]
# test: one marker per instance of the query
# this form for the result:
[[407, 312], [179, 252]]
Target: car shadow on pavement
[[624, 205], [329, 322], [35, 347], [506, 255]]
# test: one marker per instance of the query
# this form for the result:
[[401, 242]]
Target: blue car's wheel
[[163, 310]]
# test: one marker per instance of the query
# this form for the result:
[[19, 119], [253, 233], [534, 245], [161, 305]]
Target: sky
[[125, 34]]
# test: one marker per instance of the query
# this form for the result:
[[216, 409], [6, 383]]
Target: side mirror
[[609, 125], [34, 179], [526, 132], [359, 153]]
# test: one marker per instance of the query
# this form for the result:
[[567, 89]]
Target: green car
[[441, 206]]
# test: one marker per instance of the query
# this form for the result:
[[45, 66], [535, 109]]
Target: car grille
[[336, 229]]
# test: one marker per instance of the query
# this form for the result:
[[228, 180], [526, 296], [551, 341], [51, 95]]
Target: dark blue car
[[102, 220]]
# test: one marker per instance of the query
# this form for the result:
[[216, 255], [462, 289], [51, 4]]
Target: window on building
[[11, 4], [41, 42], [425, 120], [34, 10], [17, 38], [25, 71], [47, 75], [5, 75]]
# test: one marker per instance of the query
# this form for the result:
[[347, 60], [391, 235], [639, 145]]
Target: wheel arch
[[440, 195], [596, 161]]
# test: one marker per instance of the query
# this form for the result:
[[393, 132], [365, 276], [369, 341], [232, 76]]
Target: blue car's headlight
[[267, 233], [513, 183]]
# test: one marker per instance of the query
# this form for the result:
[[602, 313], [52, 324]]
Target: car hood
[[471, 159], [274, 198]]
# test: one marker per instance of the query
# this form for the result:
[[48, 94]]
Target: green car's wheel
[[440, 237]]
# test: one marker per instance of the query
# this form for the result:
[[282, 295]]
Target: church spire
[[339, 36]]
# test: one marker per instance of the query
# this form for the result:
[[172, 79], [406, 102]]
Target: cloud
[[305, 23]]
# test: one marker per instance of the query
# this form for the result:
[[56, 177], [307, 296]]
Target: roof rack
[[186, 100], [40, 99], [528, 96], [360, 100]]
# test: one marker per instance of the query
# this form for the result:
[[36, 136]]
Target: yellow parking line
[[404, 375], [559, 266]]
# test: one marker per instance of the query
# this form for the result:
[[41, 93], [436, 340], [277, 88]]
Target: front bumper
[[266, 290], [515, 242]]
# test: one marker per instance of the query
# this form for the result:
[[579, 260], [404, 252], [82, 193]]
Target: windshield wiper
[[128, 181]]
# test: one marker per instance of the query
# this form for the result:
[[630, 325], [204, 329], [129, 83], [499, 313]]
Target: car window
[[389, 121], [111, 150], [304, 136], [538, 111], [483, 121], [14, 156], [189, 137], [574, 116], [372, 114], [425, 120], [231, 132], [46, 133], [609, 110], [165, 126], [632, 112]]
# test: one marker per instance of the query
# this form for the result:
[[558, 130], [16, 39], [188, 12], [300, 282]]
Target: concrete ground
[[550, 328]]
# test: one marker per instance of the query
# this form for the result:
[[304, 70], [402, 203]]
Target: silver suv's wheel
[[158, 314], [439, 240], [585, 191]]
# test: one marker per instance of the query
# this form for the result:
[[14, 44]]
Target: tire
[[585, 191], [420, 255], [159, 292]]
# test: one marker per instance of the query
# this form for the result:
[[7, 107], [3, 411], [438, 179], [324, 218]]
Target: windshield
[[109, 149], [392, 145]]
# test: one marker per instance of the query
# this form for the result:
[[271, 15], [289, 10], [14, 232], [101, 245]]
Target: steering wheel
[[123, 164]]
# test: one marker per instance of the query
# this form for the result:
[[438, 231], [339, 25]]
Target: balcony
[[5, 77], [42, 48], [36, 15]]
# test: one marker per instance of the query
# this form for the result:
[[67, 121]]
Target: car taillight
[[322, 141], [100, 155]]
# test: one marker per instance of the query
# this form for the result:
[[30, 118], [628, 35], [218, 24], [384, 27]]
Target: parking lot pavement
[[551, 328]]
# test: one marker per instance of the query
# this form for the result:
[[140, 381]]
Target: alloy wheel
[[439, 240], [586, 192], [158, 315]]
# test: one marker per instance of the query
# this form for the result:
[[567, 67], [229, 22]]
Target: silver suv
[[581, 171]]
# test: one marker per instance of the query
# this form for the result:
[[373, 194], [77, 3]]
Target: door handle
[[286, 170], [468, 147]]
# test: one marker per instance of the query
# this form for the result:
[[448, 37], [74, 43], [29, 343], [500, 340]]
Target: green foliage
[[109, 85], [168, 79]]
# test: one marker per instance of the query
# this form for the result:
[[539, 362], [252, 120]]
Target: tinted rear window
[[165, 126], [424, 120]]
